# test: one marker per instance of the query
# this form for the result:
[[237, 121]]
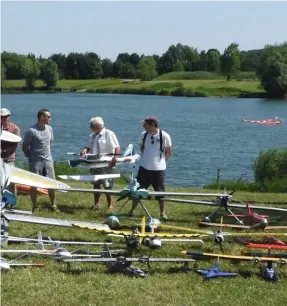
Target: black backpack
[[160, 140]]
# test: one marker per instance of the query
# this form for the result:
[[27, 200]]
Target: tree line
[[268, 63]]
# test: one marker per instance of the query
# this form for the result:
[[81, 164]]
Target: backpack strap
[[161, 143], [144, 138]]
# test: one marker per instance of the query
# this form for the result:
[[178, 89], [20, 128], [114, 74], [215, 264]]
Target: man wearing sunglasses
[[8, 149], [155, 146], [102, 142], [37, 148]]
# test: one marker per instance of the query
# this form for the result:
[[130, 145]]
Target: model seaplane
[[92, 161]]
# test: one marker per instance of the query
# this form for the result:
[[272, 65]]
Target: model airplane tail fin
[[40, 241], [55, 244], [129, 150], [248, 208]]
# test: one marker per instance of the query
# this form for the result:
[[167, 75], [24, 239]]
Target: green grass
[[90, 285], [207, 87]]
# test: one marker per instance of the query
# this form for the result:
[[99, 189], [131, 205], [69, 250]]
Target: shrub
[[270, 165]]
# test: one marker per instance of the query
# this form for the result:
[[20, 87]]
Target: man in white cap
[[8, 149], [102, 141], [155, 146]]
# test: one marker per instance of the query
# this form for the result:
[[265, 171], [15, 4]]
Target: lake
[[207, 133]]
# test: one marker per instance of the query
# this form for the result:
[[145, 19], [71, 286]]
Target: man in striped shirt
[[8, 149]]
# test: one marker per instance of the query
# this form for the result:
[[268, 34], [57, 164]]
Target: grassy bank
[[90, 285], [164, 85]]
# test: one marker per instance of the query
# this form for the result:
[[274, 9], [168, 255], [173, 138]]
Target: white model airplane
[[91, 161], [57, 253], [89, 178]]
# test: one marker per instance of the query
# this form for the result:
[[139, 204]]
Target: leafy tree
[[13, 63], [147, 68], [60, 60], [213, 60], [230, 60], [50, 73], [250, 59], [272, 70], [178, 66], [31, 70], [107, 66], [3, 74]]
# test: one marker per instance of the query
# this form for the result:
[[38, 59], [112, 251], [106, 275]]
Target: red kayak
[[23, 189]]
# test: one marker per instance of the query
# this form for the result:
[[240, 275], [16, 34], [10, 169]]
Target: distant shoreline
[[177, 88]]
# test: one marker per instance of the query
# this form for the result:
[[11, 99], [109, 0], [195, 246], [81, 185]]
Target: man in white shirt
[[102, 141], [155, 146]]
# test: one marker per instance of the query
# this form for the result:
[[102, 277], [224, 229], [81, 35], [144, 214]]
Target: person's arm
[[167, 147], [117, 149], [52, 136], [87, 148], [141, 144], [167, 153], [26, 143]]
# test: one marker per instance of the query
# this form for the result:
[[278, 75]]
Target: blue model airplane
[[214, 272]]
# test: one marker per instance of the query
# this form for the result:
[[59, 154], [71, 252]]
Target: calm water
[[207, 133]]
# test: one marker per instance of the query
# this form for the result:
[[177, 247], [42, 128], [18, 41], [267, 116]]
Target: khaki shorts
[[44, 168], [107, 183]]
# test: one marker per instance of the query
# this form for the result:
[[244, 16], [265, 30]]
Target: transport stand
[[222, 203], [139, 202]]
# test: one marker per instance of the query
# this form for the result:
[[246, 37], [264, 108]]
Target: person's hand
[[84, 152], [113, 162]]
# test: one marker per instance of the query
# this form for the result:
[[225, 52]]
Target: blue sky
[[149, 27]]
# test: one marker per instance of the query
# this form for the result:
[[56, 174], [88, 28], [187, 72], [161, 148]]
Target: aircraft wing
[[23, 177], [150, 193], [88, 178], [133, 259], [16, 211], [266, 246], [125, 233], [217, 203], [90, 190], [22, 239], [55, 222], [235, 257], [26, 264], [187, 194], [269, 227], [41, 252], [215, 273]]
